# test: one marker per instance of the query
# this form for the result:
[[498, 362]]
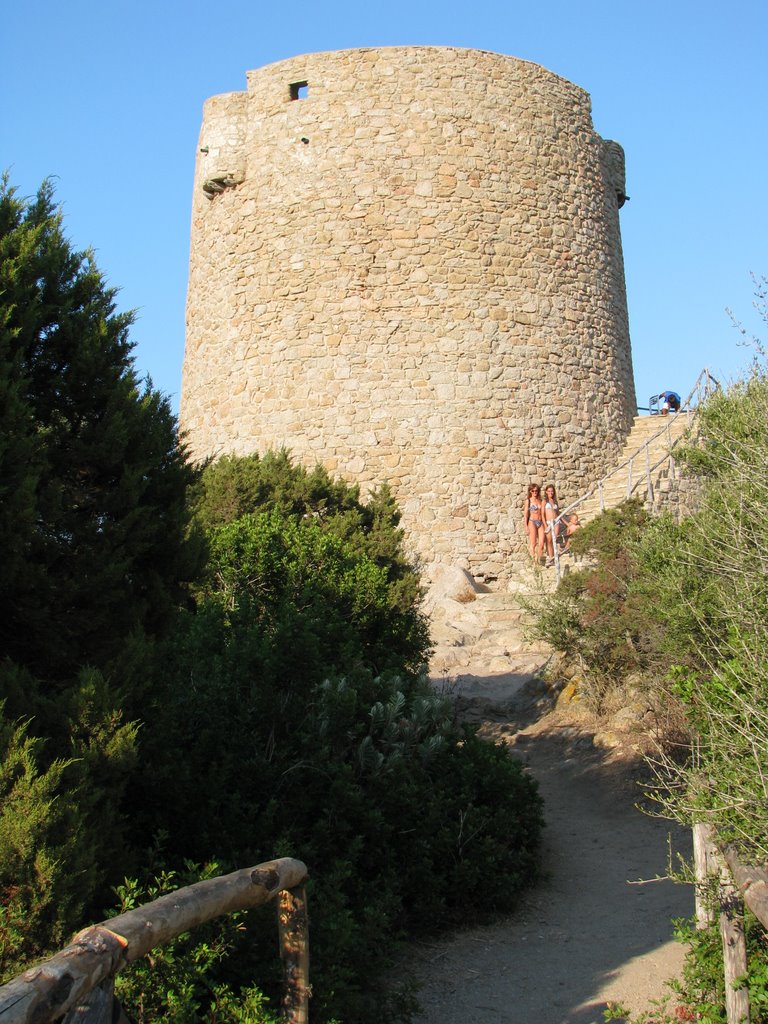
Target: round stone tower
[[406, 265]]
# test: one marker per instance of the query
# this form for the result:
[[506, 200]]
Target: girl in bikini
[[551, 510], [533, 519]]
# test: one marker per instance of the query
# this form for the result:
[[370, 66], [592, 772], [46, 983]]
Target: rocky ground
[[597, 932]]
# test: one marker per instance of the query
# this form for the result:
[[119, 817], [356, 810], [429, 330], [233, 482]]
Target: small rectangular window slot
[[299, 90]]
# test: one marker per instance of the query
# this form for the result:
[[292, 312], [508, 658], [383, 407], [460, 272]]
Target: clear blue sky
[[107, 98]]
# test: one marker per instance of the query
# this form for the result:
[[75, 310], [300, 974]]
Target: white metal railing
[[705, 386]]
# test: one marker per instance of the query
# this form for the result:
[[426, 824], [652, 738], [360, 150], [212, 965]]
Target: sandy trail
[[586, 937]]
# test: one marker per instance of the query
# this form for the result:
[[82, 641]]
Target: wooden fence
[[719, 870], [78, 981]]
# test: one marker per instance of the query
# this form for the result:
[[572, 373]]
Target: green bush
[[715, 612], [406, 822], [290, 718], [41, 895], [266, 569], [94, 529], [700, 992], [234, 486], [179, 982], [602, 615], [62, 832], [93, 515]]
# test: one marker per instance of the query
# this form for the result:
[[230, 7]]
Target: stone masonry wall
[[412, 273]]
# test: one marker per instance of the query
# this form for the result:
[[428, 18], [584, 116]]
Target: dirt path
[[587, 937]]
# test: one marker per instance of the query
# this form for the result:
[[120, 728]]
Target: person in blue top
[[670, 402]]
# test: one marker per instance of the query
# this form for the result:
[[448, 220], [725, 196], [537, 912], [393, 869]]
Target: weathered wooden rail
[[77, 982], [735, 883]]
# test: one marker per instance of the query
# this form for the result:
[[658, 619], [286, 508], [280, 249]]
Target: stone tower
[[406, 265]]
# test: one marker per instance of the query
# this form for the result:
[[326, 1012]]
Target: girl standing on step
[[533, 518], [551, 510]]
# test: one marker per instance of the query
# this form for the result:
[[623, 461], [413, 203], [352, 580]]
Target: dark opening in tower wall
[[299, 90]]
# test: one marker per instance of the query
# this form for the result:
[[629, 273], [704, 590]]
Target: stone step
[[488, 635], [497, 599], [511, 616], [668, 429]]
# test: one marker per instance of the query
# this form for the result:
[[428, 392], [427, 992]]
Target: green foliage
[[179, 982], [321, 601], [406, 822], [700, 993], [290, 718], [93, 529], [235, 486], [301, 725], [38, 829], [92, 492], [687, 607], [719, 565], [684, 607], [601, 615], [62, 829]]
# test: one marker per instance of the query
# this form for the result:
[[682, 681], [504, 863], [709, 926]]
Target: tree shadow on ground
[[597, 931]]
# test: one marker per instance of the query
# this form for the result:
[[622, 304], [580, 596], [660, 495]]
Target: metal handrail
[[706, 385], [699, 390]]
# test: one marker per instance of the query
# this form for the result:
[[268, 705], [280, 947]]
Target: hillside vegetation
[[677, 615], [204, 669]]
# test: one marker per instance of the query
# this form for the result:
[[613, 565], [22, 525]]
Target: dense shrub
[[38, 832], [701, 989], [290, 719], [686, 609], [179, 982], [93, 482], [269, 703], [407, 823], [724, 686], [96, 555], [601, 615], [234, 486]]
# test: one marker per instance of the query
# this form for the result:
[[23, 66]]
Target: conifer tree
[[92, 478]]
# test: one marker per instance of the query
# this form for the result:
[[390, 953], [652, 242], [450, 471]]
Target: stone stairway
[[615, 489], [479, 636]]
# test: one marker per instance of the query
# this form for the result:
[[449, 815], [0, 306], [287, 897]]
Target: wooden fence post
[[293, 926], [706, 868], [99, 1007], [710, 865], [734, 950]]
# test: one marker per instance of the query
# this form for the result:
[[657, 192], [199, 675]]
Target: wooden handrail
[[752, 883], [63, 982]]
